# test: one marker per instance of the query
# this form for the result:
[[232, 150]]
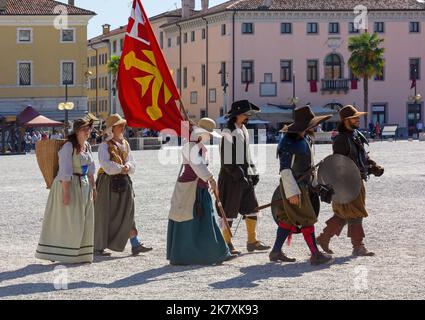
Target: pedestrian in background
[[377, 130]]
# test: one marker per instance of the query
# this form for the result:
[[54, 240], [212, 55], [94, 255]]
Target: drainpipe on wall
[[233, 56], [97, 78], [180, 64], [111, 109], [206, 67]]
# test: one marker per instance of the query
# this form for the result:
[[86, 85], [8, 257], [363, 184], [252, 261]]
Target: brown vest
[[116, 154]]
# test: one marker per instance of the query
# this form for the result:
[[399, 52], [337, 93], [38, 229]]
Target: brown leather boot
[[319, 258], [361, 251], [356, 233], [280, 256], [333, 227], [257, 246], [233, 250]]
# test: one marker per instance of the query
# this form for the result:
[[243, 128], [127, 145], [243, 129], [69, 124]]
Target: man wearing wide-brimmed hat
[[296, 163], [238, 175], [350, 142]]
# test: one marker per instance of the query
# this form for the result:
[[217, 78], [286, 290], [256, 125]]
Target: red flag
[[247, 86], [146, 88], [313, 86], [413, 84]]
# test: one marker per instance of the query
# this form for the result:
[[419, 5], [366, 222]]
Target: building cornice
[[319, 16], [197, 22], [326, 16], [42, 20]]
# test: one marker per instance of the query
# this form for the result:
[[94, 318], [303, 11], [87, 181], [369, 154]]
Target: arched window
[[333, 67]]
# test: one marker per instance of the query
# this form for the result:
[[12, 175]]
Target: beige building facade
[[42, 57]]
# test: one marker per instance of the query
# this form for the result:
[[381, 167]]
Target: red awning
[[27, 115], [42, 121]]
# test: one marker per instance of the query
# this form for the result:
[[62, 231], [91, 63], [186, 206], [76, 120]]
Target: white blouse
[[111, 167], [66, 170], [199, 164]]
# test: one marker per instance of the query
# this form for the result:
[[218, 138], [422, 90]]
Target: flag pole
[[217, 198], [186, 116]]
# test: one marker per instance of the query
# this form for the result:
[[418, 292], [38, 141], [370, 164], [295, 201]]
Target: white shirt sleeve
[[65, 171], [130, 160], [110, 167], [196, 162], [290, 185], [252, 170]]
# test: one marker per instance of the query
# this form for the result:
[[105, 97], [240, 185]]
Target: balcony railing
[[335, 85]]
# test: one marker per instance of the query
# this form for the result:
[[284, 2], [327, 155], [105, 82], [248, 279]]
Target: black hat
[[305, 119], [242, 107]]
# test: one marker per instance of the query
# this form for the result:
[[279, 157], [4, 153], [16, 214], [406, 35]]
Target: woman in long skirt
[[67, 232], [195, 237], [114, 207]]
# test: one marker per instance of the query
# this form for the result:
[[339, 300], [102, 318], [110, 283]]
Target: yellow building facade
[[102, 95], [43, 54], [99, 79]]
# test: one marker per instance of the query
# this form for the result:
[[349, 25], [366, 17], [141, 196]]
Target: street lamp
[[114, 95], [294, 100], [66, 106], [415, 99]]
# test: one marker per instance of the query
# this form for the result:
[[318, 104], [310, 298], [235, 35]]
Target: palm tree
[[366, 61], [113, 66]]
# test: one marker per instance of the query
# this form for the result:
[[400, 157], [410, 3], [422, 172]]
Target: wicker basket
[[46, 152]]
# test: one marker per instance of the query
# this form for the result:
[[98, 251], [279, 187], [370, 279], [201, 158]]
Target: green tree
[[366, 61], [113, 66]]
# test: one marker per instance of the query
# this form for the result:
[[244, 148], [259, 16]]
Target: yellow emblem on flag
[[154, 76]]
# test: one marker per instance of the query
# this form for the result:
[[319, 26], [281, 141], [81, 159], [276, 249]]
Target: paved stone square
[[394, 232]]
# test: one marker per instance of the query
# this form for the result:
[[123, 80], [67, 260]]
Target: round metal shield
[[342, 174], [277, 209]]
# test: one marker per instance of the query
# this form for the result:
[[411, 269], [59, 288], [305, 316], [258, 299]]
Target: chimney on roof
[[71, 3], [2, 5], [266, 4], [205, 4], [106, 29], [188, 6]]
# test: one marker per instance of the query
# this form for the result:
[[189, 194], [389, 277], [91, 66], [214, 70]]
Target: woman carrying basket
[[67, 232]]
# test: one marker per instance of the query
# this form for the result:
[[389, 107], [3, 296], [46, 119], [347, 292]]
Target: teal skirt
[[198, 241]]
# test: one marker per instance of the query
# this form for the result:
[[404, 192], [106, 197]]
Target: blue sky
[[116, 12]]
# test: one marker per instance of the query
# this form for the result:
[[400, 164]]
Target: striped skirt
[[68, 231]]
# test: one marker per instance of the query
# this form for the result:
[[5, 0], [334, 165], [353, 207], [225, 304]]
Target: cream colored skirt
[[68, 231]]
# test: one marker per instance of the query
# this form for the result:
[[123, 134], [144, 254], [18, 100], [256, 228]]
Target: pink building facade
[[251, 49]]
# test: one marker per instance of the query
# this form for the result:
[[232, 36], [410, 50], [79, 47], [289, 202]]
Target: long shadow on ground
[[133, 280], [34, 269], [252, 274]]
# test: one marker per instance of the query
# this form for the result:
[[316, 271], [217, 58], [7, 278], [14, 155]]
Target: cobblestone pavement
[[394, 232]]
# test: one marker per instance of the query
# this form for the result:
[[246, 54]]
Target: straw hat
[[114, 120], [206, 125], [349, 112], [81, 123]]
